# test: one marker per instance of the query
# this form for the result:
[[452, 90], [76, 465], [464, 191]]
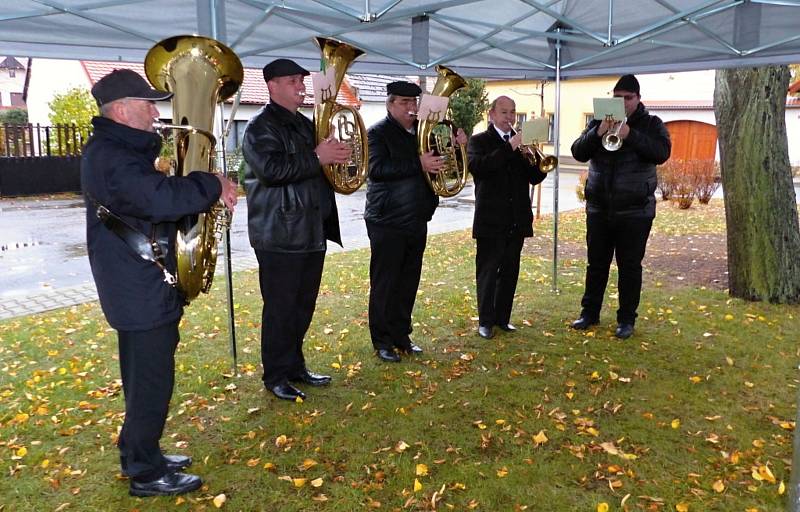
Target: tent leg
[[556, 143]]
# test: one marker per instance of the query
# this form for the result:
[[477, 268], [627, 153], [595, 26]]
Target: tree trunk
[[760, 204]]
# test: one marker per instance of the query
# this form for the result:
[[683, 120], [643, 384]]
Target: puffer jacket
[[398, 196], [117, 171], [291, 208], [623, 182]]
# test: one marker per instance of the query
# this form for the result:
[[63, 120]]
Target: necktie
[[506, 137]]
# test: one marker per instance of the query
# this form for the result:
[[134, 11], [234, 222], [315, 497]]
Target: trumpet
[[611, 139], [535, 156]]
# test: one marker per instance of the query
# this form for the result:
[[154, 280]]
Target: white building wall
[[10, 84], [48, 78]]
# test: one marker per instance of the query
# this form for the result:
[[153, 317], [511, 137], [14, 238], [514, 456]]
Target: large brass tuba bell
[[200, 72], [349, 127], [438, 135]]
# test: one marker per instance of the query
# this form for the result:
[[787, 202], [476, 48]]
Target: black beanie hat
[[627, 83]]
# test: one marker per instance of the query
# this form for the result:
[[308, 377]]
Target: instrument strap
[[145, 247]]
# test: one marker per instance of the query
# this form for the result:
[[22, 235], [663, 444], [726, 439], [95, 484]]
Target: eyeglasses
[[626, 97]]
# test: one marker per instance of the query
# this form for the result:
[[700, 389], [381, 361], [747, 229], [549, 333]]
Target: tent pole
[[556, 144]]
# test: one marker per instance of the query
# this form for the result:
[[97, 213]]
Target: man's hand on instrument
[[516, 140], [461, 137], [229, 194], [604, 126], [332, 151], [431, 163]]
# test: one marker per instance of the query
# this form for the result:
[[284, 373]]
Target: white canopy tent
[[541, 39]]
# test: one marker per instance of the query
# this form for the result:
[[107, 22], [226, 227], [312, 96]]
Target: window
[[12, 73], [550, 127], [16, 100], [588, 119], [521, 118]]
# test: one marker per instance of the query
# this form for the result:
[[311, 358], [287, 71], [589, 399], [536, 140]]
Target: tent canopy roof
[[485, 38]]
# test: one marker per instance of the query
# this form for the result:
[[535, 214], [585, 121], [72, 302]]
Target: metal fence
[[35, 140]]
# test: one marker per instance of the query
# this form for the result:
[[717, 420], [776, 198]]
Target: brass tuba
[[438, 135], [200, 72], [344, 178]]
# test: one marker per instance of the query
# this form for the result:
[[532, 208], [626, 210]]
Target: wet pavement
[[43, 263]]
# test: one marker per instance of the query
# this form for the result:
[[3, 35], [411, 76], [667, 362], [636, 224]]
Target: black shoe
[[175, 463], [486, 332], [286, 391], [312, 379], [583, 323], [167, 485], [506, 327], [624, 331], [412, 349], [388, 355]]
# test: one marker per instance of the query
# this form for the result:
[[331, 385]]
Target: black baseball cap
[[282, 67], [125, 83]]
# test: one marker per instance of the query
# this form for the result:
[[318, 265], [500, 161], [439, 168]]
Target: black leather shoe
[[286, 391], [388, 355], [506, 327], [175, 463], [583, 323], [624, 331], [412, 349], [312, 379], [167, 485], [486, 332]]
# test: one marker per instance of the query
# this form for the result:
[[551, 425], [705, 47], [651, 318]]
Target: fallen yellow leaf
[[220, 500], [682, 507], [502, 472], [540, 438], [417, 485], [718, 486], [602, 507], [299, 482], [676, 423], [317, 482], [422, 470]]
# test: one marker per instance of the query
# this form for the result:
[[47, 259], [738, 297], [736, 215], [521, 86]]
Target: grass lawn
[[695, 412]]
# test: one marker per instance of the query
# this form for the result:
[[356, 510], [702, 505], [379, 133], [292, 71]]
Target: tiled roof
[[372, 87], [254, 90], [11, 63], [795, 88]]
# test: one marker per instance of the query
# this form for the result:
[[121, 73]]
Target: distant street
[[42, 241]]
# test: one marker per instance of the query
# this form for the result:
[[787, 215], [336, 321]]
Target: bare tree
[[760, 203]]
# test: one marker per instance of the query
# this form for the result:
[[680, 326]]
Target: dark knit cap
[[401, 88], [627, 83]]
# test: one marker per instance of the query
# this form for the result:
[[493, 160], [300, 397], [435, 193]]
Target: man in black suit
[[503, 216]]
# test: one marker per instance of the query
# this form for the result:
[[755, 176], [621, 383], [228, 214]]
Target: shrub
[[666, 178], [706, 175], [683, 185], [580, 188]]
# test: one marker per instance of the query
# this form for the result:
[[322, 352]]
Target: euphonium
[[200, 72], [611, 139], [344, 178], [438, 135]]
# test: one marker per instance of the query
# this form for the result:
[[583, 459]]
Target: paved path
[[43, 263]]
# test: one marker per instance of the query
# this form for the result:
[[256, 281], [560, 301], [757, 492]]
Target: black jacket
[[502, 186], [291, 208], [623, 182], [398, 196], [117, 170]]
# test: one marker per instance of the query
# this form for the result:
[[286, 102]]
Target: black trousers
[[147, 364], [496, 273], [289, 288], [394, 272], [627, 239]]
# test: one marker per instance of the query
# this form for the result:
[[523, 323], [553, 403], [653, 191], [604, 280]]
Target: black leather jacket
[[397, 194], [502, 185], [623, 182], [117, 171], [290, 205]]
